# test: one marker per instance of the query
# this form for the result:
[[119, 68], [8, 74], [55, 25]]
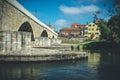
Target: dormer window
[[93, 25], [89, 25]]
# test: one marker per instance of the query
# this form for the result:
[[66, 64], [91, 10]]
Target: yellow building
[[92, 31]]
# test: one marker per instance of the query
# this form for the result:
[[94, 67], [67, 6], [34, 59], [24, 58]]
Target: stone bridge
[[19, 28]]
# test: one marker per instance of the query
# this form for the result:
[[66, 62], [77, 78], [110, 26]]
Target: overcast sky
[[61, 13]]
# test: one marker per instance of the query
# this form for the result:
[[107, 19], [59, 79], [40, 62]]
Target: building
[[75, 30], [92, 31]]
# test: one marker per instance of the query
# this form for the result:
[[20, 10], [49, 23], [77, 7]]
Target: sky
[[62, 13]]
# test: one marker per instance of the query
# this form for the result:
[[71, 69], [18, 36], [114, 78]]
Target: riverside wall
[[17, 40], [13, 41], [29, 58]]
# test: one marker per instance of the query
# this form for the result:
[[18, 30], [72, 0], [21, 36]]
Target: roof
[[77, 24], [97, 21], [74, 24], [26, 12], [70, 29]]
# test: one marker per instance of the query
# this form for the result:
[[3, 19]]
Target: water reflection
[[109, 67], [99, 66]]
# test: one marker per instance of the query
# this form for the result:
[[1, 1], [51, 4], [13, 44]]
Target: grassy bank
[[101, 45]]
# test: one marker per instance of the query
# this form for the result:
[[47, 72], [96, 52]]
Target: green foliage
[[105, 31], [114, 25], [101, 45], [117, 40]]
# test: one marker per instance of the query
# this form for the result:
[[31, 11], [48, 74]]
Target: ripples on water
[[99, 66]]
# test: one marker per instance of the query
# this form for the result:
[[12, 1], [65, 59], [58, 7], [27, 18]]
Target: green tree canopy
[[105, 31], [114, 25]]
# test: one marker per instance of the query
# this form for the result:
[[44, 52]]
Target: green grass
[[101, 45], [87, 42]]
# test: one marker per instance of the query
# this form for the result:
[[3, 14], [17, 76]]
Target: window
[[86, 32], [96, 33], [97, 29], [86, 28], [90, 33], [92, 29], [89, 25], [93, 25], [89, 29]]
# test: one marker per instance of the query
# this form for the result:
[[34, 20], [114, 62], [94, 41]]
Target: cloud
[[61, 22], [78, 10]]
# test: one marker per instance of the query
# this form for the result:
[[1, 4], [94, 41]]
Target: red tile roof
[[70, 29], [74, 24], [97, 21]]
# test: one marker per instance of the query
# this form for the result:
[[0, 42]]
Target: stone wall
[[28, 58], [72, 40], [12, 41], [43, 42], [55, 41]]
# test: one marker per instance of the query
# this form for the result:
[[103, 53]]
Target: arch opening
[[26, 27], [53, 37], [44, 34]]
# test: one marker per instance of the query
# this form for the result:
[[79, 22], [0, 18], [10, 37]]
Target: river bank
[[101, 45], [55, 52]]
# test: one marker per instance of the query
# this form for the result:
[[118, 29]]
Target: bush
[[72, 48], [117, 40], [78, 47]]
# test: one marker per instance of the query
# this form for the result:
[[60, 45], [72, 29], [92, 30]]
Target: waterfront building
[[75, 30], [92, 31]]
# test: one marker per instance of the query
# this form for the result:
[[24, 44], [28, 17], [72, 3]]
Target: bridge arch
[[26, 27], [44, 34]]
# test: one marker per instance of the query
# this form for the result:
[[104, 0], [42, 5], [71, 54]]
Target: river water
[[99, 66]]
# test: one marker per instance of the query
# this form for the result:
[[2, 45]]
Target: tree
[[116, 6], [105, 31], [114, 25]]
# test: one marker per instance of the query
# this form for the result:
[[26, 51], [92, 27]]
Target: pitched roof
[[70, 29], [97, 21], [74, 24]]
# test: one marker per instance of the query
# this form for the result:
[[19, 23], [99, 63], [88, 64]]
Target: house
[[75, 30], [92, 31]]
